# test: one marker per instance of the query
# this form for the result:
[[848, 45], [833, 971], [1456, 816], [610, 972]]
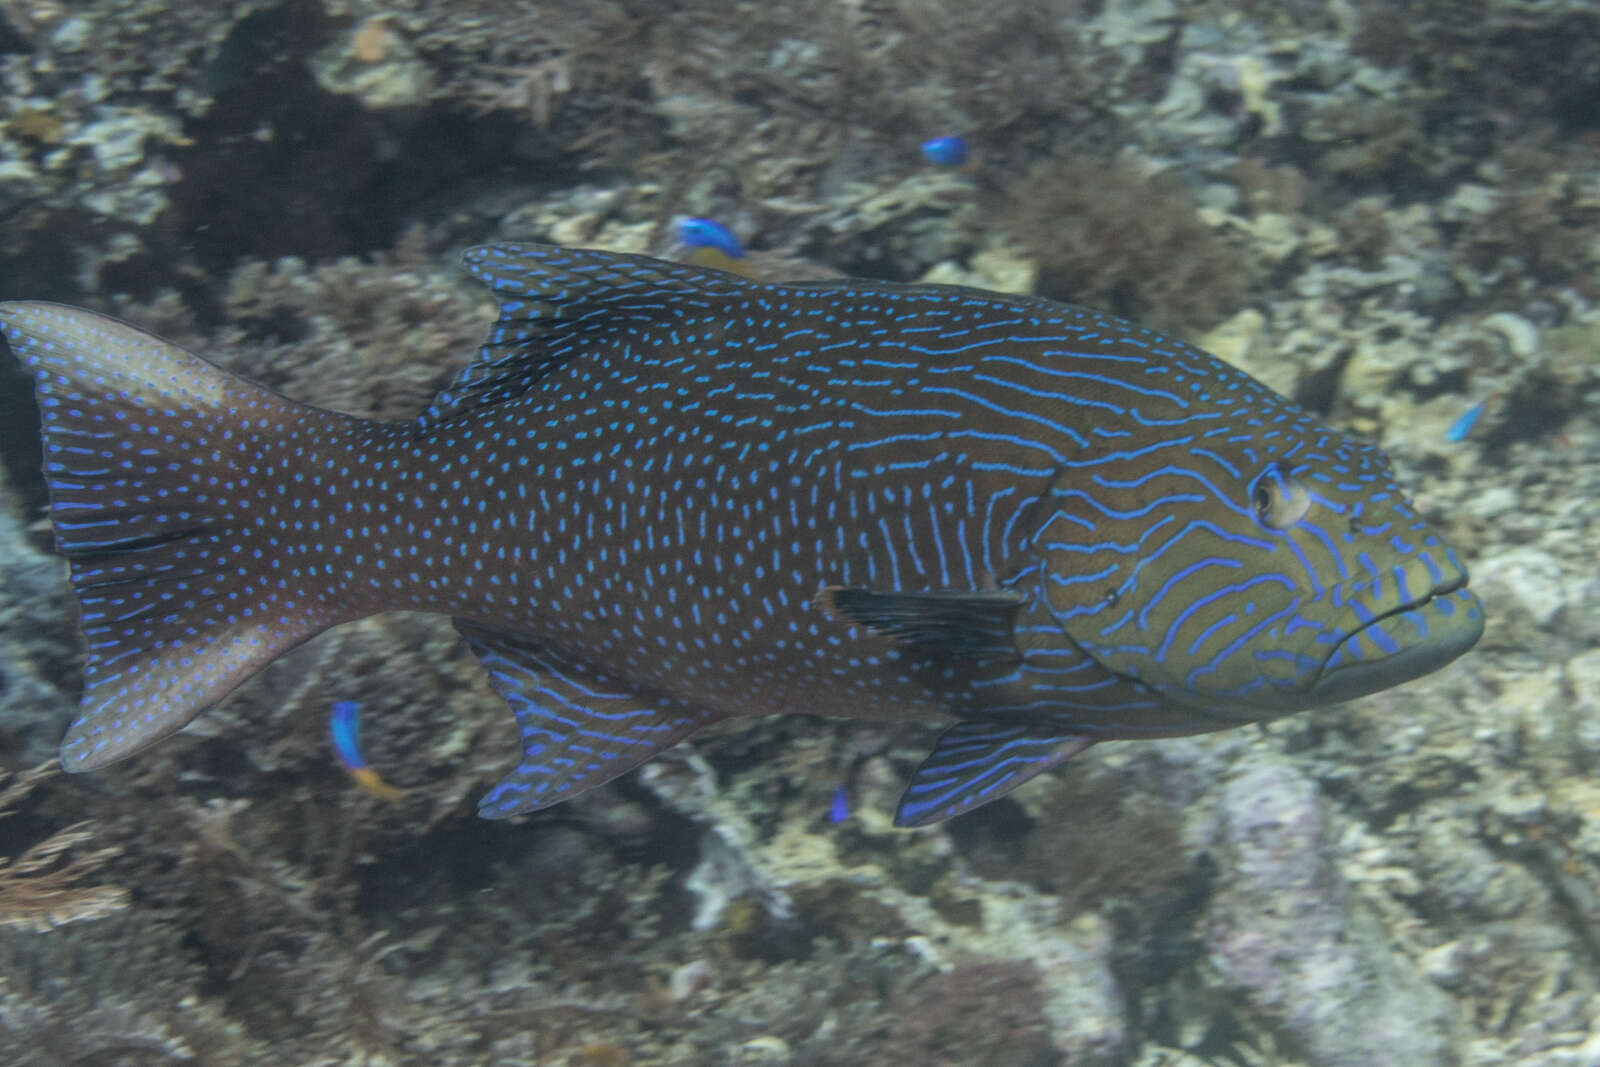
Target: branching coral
[[39, 889], [376, 339], [1539, 227], [1108, 234], [119, 991], [985, 1011]]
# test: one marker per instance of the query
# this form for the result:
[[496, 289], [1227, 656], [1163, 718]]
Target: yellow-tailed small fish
[[709, 233], [345, 726], [711, 244], [662, 496]]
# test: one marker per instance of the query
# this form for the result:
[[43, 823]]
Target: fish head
[[1250, 576]]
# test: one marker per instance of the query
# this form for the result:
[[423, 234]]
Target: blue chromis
[[345, 726], [662, 496], [945, 151]]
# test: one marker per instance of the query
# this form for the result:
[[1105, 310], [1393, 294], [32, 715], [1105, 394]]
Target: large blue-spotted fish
[[663, 496]]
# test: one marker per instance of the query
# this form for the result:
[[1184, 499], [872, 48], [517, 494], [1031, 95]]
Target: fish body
[[711, 244], [711, 234], [663, 496], [839, 805], [1462, 427], [945, 151], [344, 724]]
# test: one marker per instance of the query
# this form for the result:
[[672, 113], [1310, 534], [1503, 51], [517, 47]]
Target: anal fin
[[579, 728], [976, 762]]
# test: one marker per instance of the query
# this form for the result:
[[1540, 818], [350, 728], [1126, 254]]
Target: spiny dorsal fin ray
[[579, 728], [956, 622], [142, 444], [554, 300], [976, 762]]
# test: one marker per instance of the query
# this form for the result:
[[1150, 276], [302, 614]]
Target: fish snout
[[1404, 624]]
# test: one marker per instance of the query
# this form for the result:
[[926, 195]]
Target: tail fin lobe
[[148, 452]]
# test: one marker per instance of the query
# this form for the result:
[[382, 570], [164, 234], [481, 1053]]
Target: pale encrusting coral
[[1390, 212]]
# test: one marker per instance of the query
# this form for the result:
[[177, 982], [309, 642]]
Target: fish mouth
[[1402, 642]]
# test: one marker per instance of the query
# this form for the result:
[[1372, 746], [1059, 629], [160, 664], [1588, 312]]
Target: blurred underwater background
[[1387, 211]]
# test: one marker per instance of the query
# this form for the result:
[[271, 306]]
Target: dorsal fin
[[553, 300]]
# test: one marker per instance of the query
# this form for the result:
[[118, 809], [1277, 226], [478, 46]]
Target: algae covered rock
[[1291, 938]]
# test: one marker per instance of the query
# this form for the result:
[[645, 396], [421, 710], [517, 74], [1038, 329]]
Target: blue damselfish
[[839, 805], [1464, 423], [945, 151], [345, 726], [662, 496], [709, 233]]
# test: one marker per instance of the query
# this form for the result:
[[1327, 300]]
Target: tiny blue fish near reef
[[1464, 423], [709, 233], [345, 726], [711, 244], [663, 496], [839, 805], [945, 151]]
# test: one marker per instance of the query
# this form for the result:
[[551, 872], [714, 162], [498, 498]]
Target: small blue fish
[[1463, 426], [945, 151], [839, 809], [708, 233], [346, 728]]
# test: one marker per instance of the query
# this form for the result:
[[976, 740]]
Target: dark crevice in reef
[[11, 39], [277, 165], [282, 167], [344, 182]]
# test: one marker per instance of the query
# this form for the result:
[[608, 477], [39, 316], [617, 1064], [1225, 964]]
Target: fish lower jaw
[[1404, 642]]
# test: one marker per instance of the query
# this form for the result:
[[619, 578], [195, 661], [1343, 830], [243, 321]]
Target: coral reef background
[[1388, 210]]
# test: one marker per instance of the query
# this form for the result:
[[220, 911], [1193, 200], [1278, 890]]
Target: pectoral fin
[[976, 762], [961, 622]]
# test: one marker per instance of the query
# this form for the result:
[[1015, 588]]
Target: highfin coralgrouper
[[662, 496]]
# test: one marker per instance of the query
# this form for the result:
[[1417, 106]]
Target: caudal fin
[[154, 462]]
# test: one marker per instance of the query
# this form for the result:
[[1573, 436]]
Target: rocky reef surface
[[1389, 211]]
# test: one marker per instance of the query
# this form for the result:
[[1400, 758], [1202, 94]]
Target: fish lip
[[1353, 676]]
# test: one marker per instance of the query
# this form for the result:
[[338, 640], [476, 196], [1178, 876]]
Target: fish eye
[[1263, 502], [1280, 500]]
